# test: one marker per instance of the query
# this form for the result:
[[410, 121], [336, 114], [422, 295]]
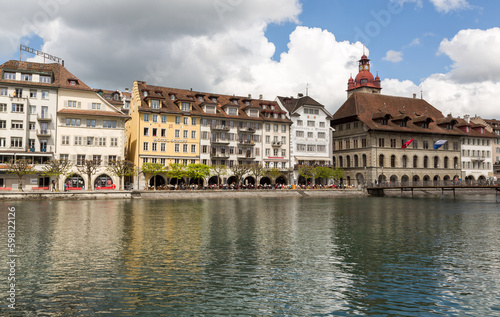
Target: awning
[[312, 158]]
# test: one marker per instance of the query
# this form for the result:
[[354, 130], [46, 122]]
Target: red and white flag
[[407, 143]]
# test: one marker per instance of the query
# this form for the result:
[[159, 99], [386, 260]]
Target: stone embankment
[[182, 194]]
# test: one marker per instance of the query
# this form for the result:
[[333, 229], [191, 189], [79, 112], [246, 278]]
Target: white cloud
[[393, 56], [473, 84], [450, 5]]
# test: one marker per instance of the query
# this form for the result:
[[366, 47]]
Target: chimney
[[249, 96], [300, 95], [126, 89], [260, 97], [414, 96], [467, 118]]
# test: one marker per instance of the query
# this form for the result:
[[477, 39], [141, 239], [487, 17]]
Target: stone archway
[[74, 182], [103, 181], [232, 180], [214, 180], [265, 180], [426, 180], [416, 180], [249, 181], [481, 180], [281, 180], [158, 180], [393, 180], [405, 180], [360, 179], [435, 180]]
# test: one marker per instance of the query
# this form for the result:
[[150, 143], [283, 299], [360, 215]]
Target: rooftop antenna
[[307, 89], [421, 94], [39, 53]]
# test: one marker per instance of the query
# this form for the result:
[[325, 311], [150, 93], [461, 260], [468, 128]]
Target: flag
[[407, 143], [438, 144]]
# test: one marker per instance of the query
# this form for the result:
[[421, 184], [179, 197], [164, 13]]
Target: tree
[[273, 173], [152, 169], [121, 168], [239, 170], [338, 173], [198, 171], [89, 168], [219, 170], [257, 170], [57, 168], [177, 171], [307, 172], [324, 172], [20, 168]]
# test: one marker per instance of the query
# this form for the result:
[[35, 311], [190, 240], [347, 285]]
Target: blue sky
[[445, 48], [348, 19]]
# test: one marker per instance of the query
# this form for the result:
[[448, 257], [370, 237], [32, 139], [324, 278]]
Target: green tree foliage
[[257, 171], [121, 168], [152, 169], [198, 171], [177, 171], [219, 170], [273, 174], [20, 168], [57, 168]]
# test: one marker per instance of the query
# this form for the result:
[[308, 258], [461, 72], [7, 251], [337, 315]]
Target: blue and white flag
[[439, 143]]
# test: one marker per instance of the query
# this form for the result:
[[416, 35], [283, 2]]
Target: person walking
[[53, 186]]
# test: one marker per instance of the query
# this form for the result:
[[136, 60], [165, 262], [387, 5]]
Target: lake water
[[255, 257]]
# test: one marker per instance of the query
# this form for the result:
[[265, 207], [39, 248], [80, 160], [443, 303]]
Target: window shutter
[[105, 160], [89, 106], [79, 104], [89, 157], [73, 158], [65, 104]]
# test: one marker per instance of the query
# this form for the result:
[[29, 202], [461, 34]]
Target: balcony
[[246, 156], [44, 117], [276, 144], [246, 142], [219, 155], [477, 158], [220, 127], [43, 133], [220, 141], [246, 129]]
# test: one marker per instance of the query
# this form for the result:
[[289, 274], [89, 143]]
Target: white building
[[477, 156], [310, 133], [47, 113]]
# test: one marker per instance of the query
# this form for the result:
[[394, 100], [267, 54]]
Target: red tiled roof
[[98, 113]]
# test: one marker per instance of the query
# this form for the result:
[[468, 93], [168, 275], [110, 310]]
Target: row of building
[[48, 113]]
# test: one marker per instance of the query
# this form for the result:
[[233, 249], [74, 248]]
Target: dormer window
[[232, 111], [247, 102], [254, 113], [155, 104], [145, 93], [172, 97], [26, 77], [275, 116], [214, 99], [115, 96], [272, 107], [200, 98], [425, 125], [45, 79], [283, 116], [7, 75], [263, 106], [186, 106], [402, 123], [383, 121], [210, 109], [235, 101]]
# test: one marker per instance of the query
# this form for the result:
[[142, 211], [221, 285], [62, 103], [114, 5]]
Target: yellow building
[[164, 128]]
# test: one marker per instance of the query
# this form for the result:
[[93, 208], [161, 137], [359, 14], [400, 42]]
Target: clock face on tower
[[360, 67], [366, 67]]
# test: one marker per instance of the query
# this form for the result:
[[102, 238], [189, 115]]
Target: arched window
[[348, 161], [455, 162], [405, 161], [364, 160], [445, 162], [334, 162], [381, 160], [356, 161], [341, 163], [426, 161], [393, 160], [415, 161], [436, 162]]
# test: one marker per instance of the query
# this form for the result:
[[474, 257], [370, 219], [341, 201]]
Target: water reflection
[[288, 256]]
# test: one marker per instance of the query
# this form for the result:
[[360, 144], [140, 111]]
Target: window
[[72, 103], [381, 142], [32, 93], [16, 124], [144, 159], [109, 124], [268, 152], [80, 159], [90, 123], [193, 148], [73, 122], [310, 134], [321, 135], [78, 140], [177, 133], [177, 120], [155, 118], [32, 109], [3, 91], [275, 128], [146, 117], [393, 160], [7, 75], [193, 121], [393, 143], [363, 143], [283, 129], [17, 107], [204, 149], [163, 147], [415, 144], [310, 123], [114, 141], [426, 161], [425, 144], [275, 152], [300, 123], [311, 148], [32, 126], [65, 140], [268, 139], [45, 79], [322, 148], [177, 148], [97, 159], [301, 147], [102, 141], [64, 157], [185, 134], [155, 104], [186, 106], [145, 146], [96, 106], [112, 158], [299, 134], [322, 124], [16, 142], [232, 111], [154, 146], [283, 140], [193, 134], [90, 141], [45, 94], [146, 132], [154, 132], [268, 127], [163, 119], [381, 160]]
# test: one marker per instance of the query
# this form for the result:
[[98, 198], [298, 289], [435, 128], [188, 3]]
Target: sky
[[446, 51]]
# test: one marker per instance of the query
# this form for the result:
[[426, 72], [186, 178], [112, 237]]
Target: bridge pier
[[379, 192]]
